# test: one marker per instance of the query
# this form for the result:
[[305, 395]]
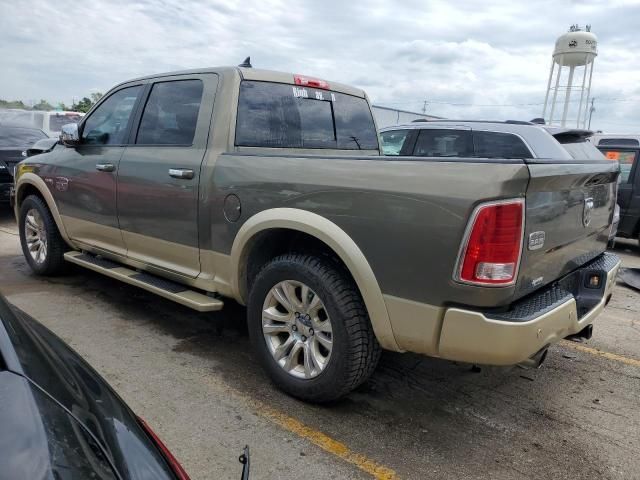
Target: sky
[[466, 59]]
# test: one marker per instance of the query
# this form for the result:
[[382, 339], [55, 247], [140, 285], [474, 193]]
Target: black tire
[[355, 351], [54, 262]]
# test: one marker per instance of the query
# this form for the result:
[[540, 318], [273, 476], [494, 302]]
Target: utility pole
[[424, 107], [591, 110]]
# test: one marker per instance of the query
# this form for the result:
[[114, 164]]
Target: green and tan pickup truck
[[270, 189]]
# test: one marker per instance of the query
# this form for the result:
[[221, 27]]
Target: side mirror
[[69, 135]]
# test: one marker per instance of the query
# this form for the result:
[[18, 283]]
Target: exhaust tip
[[536, 360], [585, 334]]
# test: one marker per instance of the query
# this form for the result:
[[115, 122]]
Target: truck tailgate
[[569, 208]]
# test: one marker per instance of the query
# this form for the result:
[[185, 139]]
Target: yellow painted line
[[326, 443], [600, 353]]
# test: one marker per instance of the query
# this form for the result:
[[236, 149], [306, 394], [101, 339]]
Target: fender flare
[[334, 237], [37, 182]]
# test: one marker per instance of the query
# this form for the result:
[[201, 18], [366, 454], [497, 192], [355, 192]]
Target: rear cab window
[[277, 115]]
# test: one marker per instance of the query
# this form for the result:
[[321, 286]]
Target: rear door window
[[444, 143], [287, 116], [626, 158], [499, 145], [171, 113], [393, 141]]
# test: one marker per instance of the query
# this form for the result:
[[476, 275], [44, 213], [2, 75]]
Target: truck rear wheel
[[42, 245], [310, 328]]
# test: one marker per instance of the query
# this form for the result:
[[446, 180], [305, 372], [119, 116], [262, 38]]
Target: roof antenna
[[246, 63]]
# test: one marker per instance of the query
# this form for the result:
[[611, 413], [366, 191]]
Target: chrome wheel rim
[[297, 329], [36, 236]]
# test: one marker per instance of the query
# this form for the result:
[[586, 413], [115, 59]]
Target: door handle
[[105, 167], [184, 173]]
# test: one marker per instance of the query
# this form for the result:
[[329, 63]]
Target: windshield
[[288, 116], [19, 137]]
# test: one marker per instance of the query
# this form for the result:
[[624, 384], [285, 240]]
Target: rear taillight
[[168, 456], [490, 253], [304, 81]]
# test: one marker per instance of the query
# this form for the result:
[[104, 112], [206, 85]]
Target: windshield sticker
[[318, 95], [300, 92]]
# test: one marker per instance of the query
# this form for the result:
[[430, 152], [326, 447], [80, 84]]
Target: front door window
[[108, 124]]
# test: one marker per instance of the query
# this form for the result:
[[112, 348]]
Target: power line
[[456, 104], [591, 110]]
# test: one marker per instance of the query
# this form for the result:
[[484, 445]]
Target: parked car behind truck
[[14, 141], [50, 122], [625, 150], [269, 188]]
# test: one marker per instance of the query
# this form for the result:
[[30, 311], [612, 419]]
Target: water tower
[[577, 49]]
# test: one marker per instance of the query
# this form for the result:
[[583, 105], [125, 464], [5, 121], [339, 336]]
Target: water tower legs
[[567, 96], [584, 79], [546, 97], [555, 91], [584, 121]]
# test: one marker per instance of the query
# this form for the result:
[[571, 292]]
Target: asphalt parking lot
[[193, 378]]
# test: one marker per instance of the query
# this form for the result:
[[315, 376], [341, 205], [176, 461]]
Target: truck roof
[[256, 74]]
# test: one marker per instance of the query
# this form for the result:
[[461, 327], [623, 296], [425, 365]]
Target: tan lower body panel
[[179, 263], [188, 298], [101, 236], [171, 256], [416, 326]]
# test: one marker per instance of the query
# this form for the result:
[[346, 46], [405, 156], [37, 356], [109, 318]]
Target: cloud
[[496, 52]]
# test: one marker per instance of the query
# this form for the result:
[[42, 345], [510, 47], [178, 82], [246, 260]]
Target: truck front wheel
[[310, 328], [42, 245]]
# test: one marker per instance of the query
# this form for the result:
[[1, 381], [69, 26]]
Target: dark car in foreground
[[625, 150], [14, 140], [60, 420]]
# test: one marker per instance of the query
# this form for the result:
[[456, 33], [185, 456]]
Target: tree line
[[83, 105]]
